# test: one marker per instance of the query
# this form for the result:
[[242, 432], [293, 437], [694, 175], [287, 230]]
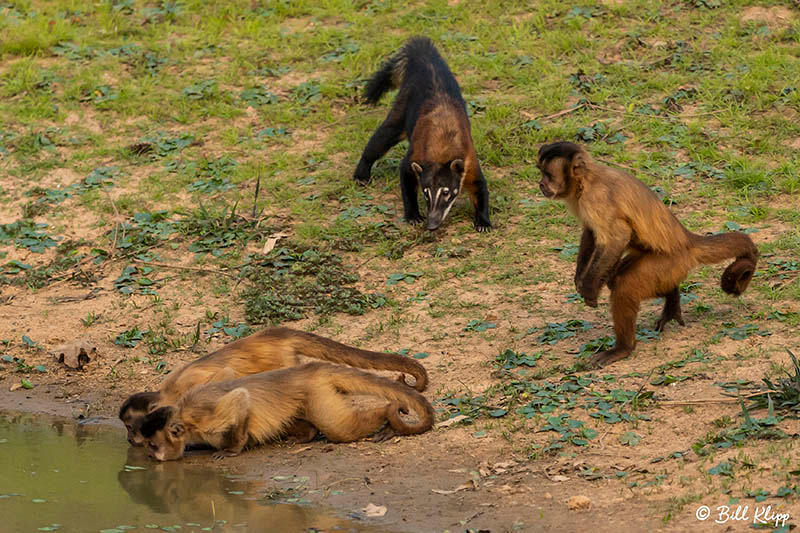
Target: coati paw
[[362, 176], [481, 222], [415, 220]]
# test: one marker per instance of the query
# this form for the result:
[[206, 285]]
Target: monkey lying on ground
[[269, 349], [430, 112], [230, 415], [633, 242]]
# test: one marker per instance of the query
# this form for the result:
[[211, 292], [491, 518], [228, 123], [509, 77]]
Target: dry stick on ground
[[701, 401], [645, 381], [665, 117], [116, 221], [562, 112], [255, 195], [180, 267]]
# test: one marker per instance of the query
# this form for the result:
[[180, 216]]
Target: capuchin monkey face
[[554, 180], [133, 412], [165, 434]]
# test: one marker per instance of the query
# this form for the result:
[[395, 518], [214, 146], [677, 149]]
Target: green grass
[[195, 102]]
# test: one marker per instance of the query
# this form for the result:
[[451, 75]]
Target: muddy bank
[[426, 483]]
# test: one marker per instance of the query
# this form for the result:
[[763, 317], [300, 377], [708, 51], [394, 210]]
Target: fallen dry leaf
[[272, 240], [469, 485], [74, 355], [304, 448], [559, 477], [373, 511], [450, 421]]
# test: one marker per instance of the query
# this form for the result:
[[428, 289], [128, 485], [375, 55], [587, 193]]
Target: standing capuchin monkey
[[230, 415], [268, 349], [430, 112], [632, 242]]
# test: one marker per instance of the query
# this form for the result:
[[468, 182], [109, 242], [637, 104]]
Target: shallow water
[[59, 475]]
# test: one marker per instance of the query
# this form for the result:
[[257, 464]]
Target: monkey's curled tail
[[715, 248], [326, 349], [402, 398]]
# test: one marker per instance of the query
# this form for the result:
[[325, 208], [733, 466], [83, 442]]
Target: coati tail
[[325, 349], [386, 78], [716, 248], [393, 71]]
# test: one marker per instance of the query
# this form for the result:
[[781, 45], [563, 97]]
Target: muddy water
[[58, 475]]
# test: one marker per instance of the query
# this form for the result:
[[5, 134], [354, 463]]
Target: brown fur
[[269, 349], [251, 410], [430, 112], [633, 242]]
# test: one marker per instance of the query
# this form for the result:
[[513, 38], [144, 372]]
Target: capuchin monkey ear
[[457, 166], [176, 430], [578, 165]]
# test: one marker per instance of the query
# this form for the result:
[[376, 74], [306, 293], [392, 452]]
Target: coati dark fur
[[430, 112], [230, 415], [632, 242], [268, 349]]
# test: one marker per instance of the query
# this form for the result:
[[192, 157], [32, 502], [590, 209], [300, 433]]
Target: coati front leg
[[409, 185], [479, 194], [389, 133]]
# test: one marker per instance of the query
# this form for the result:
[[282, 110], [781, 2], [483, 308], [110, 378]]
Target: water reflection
[[81, 477]]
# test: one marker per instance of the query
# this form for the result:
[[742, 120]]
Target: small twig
[[563, 112], [700, 401], [116, 220], [645, 381], [255, 195], [179, 267], [667, 117]]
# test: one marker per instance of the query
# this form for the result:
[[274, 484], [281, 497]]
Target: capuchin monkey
[[230, 415], [269, 349], [632, 242]]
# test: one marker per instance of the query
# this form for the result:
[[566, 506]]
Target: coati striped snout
[[440, 184]]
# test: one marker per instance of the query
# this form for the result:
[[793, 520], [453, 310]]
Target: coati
[[268, 349], [230, 415], [430, 112], [632, 242]]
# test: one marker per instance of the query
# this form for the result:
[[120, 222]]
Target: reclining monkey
[[254, 409], [269, 349]]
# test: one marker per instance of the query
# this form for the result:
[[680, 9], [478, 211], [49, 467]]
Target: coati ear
[[416, 168], [176, 430], [457, 166]]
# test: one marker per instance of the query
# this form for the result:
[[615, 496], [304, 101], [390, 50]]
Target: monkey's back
[[654, 226], [269, 349]]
